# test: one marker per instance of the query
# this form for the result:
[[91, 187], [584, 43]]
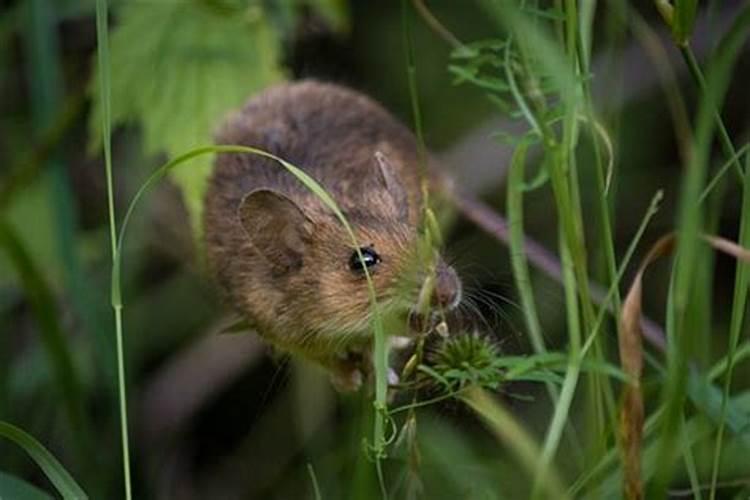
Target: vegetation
[[640, 190]]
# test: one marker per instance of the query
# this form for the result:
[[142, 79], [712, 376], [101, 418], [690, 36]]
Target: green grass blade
[[562, 407], [739, 303], [683, 20], [52, 468], [45, 70], [53, 339], [517, 252], [380, 352], [509, 431], [102, 38], [314, 482], [17, 489], [723, 170], [688, 252], [721, 366], [687, 451], [726, 141], [606, 303]]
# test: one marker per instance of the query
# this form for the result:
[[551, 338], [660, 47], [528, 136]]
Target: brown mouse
[[283, 259]]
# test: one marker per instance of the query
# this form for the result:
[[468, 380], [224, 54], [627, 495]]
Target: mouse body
[[282, 258]]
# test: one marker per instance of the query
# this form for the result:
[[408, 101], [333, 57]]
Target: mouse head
[[317, 272]]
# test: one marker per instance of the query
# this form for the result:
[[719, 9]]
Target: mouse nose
[[447, 292]]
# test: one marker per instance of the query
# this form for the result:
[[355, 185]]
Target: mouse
[[283, 260]]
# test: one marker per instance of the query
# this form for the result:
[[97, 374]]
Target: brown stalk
[[631, 359]]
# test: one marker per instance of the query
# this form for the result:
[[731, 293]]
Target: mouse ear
[[393, 184], [277, 227]]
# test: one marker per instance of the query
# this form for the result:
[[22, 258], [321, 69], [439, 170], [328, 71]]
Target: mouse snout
[[447, 292]]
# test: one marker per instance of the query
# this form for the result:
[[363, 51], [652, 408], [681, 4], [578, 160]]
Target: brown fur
[[279, 255]]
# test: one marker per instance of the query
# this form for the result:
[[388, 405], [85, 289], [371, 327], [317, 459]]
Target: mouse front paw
[[347, 379]]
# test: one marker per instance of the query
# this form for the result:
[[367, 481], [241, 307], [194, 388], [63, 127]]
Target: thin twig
[[436, 25]]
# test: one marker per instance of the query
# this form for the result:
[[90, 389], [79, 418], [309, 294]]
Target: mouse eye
[[370, 258]]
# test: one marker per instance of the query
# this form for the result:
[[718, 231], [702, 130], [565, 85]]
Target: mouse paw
[[393, 378], [400, 342], [347, 380]]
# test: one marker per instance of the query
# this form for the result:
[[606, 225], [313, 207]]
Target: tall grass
[[540, 70], [102, 35], [553, 71], [690, 223], [380, 351], [55, 472]]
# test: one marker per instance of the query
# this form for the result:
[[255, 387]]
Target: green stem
[[507, 429], [411, 74], [700, 81], [742, 279], [680, 328], [560, 417], [105, 92]]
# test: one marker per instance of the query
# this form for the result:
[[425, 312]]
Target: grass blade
[[52, 468], [683, 20], [102, 38], [380, 354], [572, 372], [690, 221], [741, 283], [314, 481], [18, 489], [53, 340], [517, 252], [509, 431]]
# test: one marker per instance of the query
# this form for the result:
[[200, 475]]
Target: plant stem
[[742, 278], [105, 91], [700, 80]]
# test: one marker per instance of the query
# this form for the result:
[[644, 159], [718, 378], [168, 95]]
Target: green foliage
[[334, 11], [680, 17], [178, 68], [496, 67], [470, 359], [684, 20], [53, 340], [741, 284], [466, 359], [54, 471], [15, 488]]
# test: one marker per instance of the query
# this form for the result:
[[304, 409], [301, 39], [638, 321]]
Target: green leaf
[[53, 469], [18, 489], [336, 12], [683, 20], [708, 397], [177, 69], [42, 301]]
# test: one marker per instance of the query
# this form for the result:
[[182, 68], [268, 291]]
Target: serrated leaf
[[177, 69], [467, 74]]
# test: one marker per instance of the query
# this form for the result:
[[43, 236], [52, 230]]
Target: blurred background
[[216, 415]]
